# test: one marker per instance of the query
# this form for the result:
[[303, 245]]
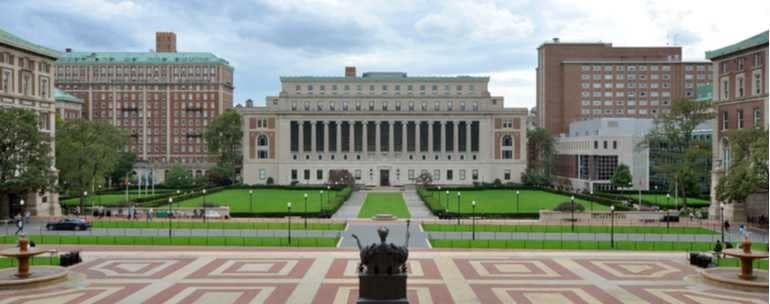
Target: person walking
[[19, 223]]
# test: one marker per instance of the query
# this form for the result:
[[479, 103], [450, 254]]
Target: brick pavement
[[137, 275]]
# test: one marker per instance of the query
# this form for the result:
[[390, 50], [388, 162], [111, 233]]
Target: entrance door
[[384, 177]]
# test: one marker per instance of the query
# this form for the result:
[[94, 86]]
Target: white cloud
[[474, 20]]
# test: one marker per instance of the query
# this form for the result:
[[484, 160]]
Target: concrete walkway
[[351, 207], [367, 233], [417, 208], [638, 237]]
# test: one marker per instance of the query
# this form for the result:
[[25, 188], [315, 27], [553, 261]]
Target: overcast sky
[[267, 39]]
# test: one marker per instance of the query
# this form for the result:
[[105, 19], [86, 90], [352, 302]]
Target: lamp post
[[289, 218], [328, 189], [668, 221], [251, 200], [458, 208], [439, 194], [446, 204], [592, 201], [517, 202], [321, 197], [722, 221], [473, 219], [170, 206], [305, 211], [668, 200], [204, 203], [85, 198], [612, 226], [21, 204], [572, 210]]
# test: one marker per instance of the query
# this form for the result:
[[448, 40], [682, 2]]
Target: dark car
[[68, 224]]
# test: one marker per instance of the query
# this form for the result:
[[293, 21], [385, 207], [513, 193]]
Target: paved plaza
[[242, 275]]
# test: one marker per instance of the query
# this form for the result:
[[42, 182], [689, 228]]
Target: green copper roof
[[60, 95], [756, 40], [704, 93], [140, 57], [381, 76], [15, 41]]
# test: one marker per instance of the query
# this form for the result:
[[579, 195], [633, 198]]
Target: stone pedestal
[[382, 288]]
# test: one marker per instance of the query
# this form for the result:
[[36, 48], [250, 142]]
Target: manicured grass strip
[[579, 245], [565, 228], [235, 241], [384, 202], [161, 223], [112, 198], [730, 262], [504, 201], [267, 200], [660, 200], [38, 260]]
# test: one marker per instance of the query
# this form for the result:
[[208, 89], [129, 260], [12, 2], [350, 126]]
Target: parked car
[[68, 224]]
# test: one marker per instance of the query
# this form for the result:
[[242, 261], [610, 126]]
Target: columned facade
[[385, 130]]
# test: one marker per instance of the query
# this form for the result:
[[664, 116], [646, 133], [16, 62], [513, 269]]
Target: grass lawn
[[579, 245], [38, 260], [161, 223], [236, 241], [504, 201], [730, 262], [384, 202], [564, 228], [264, 200], [111, 198], [660, 199]]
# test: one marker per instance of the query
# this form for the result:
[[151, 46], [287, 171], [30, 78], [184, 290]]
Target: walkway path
[[416, 206], [639, 237], [351, 207], [303, 276]]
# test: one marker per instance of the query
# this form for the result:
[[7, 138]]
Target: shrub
[[567, 207], [269, 180]]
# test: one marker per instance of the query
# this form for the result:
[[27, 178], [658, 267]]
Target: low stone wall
[[211, 212], [625, 216]]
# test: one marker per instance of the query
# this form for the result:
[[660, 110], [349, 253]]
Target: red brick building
[[577, 81], [164, 99], [740, 100]]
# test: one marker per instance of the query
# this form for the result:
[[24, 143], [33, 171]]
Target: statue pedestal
[[382, 288]]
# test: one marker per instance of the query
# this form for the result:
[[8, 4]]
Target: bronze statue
[[382, 270]]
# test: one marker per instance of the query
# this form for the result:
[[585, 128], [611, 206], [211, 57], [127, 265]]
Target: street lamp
[[668, 221], [85, 198], [170, 205], [458, 208], [446, 204], [473, 219], [321, 197], [328, 189], [572, 199], [21, 203], [204, 203], [517, 202], [305, 211], [668, 200], [251, 201], [612, 226], [439, 194], [722, 220], [592, 202], [289, 219]]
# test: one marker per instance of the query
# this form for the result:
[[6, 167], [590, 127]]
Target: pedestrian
[[19, 223], [150, 214], [27, 216]]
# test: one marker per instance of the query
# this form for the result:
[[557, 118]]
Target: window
[[739, 85], [262, 147], [725, 89], [410, 173], [757, 118], [507, 174], [449, 174], [740, 119], [740, 64], [436, 174], [262, 174], [596, 144], [475, 174], [724, 120], [293, 174], [462, 174], [756, 89], [614, 144], [358, 174], [319, 174], [307, 174]]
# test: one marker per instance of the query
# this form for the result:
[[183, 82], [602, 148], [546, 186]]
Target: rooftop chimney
[[350, 71], [555, 39], [165, 42], [68, 50]]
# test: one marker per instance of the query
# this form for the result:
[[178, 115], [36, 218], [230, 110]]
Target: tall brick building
[[578, 81], [164, 99]]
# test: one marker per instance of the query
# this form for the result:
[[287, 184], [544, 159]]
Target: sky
[[264, 40]]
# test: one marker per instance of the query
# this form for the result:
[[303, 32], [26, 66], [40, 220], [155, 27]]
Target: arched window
[[262, 140]]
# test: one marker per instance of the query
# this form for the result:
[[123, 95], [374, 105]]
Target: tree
[[681, 158], [541, 144], [223, 136], [220, 175], [123, 166], [341, 178], [179, 178], [424, 179], [86, 152], [25, 164], [621, 178], [748, 172]]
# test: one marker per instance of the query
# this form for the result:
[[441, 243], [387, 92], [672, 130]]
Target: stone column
[[377, 147], [404, 136], [469, 137], [391, 148], [300, 136], [443, 137], [430, 137], [417, 137], [456, 135], [364, 141], [325, 128], [338, 134], [312, 137]]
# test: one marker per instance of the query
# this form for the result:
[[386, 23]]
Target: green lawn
[[730, 262], [384, 202], [38, 260], [237, 241], [579, 245], [660, 199], [504, 201], [111, 198], [161, 223], [265, 200], [564, 228]]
